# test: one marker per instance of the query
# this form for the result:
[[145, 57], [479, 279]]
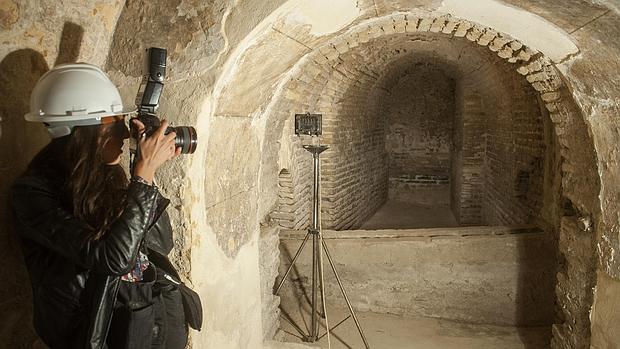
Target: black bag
[[133, 319], [191, 301], [151, 313], [170, 329], [192, 306]]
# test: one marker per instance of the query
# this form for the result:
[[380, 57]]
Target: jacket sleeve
[[42, 218], [159, 237]]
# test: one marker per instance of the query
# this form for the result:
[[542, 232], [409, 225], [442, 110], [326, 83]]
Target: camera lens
[[186, 138]]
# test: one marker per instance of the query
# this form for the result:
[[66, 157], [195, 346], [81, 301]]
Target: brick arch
[[535, 66], [320, 66]]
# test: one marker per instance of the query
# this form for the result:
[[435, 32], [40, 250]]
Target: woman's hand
[[154, 150]]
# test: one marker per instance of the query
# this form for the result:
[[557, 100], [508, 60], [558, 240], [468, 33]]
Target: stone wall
[[294, 208], [295, 37], [576, 266], [269, 261], [218, 234], [490, 275], [501, 147]]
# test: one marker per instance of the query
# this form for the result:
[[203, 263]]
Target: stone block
[[438, 24], [450, 26], [363, 36], [523, 70], [353, 40], [499, 42], [375, 31], [475, 33], [412, 24], [463, 28], [515, 45], [425, 24], [551, 97], [388, 28], [505, 53], [329, 52], [341, 46], [488, 36], [526, 54], [400, 23], [469, 274]]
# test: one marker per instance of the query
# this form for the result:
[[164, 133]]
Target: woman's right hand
[[154, 150]]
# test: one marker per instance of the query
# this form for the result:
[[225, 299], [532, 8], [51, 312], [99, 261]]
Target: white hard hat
[[71, 95]]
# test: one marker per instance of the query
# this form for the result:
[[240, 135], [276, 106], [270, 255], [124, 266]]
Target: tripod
[[317, 263]]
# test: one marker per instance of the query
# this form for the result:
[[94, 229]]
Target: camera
[[147, 101]]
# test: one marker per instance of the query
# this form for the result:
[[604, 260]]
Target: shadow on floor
[[407, 215]]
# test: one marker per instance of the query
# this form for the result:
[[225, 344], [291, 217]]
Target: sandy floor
[[401, 215], [386, 331]]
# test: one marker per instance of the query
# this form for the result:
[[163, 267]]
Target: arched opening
[[419, 111], [342, 80], [430, 131]]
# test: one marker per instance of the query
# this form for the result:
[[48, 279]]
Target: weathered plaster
[[230, 293], [39, 25], [613, 4], [532, 30], [600, 102], [268, 57], [605, 314], [314, 14], [570, 15]]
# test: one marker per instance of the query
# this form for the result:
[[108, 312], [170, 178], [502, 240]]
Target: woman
[[95, 244]]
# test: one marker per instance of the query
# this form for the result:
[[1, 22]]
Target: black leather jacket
[[75, 282]]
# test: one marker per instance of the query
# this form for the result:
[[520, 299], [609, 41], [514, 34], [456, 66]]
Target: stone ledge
[[433, 233]]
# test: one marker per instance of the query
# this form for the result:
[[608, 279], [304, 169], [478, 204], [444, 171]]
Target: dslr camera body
[[147, 102]]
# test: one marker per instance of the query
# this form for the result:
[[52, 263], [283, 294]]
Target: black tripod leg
[[344, 293], [321, 311], [292, 263], [314, 333]]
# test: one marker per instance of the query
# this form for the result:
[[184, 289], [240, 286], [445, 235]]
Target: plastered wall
[[214, 194]]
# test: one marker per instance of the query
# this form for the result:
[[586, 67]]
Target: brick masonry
[[472, 129], [501, 151], [419, 109]]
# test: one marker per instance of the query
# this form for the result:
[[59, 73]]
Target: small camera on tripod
[[308, 124], [147, 101]]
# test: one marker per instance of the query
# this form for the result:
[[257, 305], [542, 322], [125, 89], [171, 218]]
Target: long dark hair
[[92, 190]]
